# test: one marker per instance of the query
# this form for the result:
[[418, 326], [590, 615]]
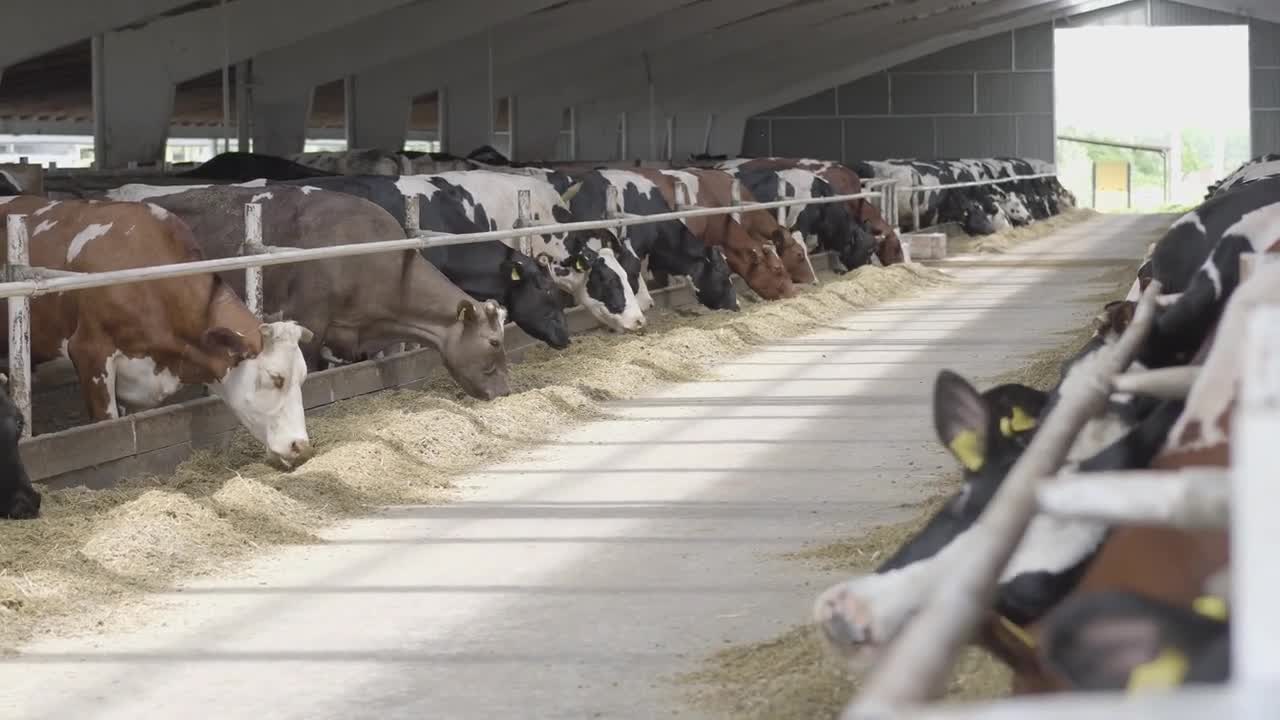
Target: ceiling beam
[[33, 27]]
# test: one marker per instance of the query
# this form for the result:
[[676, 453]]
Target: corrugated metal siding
[[1264, 89], [1169, 14], [1134, 13], [889, 137]]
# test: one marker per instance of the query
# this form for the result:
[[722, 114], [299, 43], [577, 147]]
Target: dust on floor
[[69, 571]]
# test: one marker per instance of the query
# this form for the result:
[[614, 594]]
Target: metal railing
[[918, 190], [23, 282]]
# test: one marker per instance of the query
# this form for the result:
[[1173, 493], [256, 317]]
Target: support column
[[378, 107], [132, 104], [538, 122], [280, 119], [467, 117], [727, 134], [244, 105]]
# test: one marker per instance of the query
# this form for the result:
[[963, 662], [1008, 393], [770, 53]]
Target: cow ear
[[277, 316], [571, 193], [961, 417], [561, 214], [1114, 641], [221, 339], [512, 271], [466, 311]]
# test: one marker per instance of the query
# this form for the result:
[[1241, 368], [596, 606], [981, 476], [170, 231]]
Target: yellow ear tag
[[1018, 422], [462, 313], [968, 450], [1022, 636], [581, 266], [515, 274], [1166, 671], [1214, 608]]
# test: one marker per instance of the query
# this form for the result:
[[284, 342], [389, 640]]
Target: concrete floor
[[573, 581]]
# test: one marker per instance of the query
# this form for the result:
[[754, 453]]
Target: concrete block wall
[[992, 96], [1264, 54]]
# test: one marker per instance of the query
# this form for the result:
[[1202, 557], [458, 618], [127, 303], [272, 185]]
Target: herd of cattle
[[132, 346], [1084, 605]]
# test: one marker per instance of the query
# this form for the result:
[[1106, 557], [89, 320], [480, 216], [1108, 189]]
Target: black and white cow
[[584, 264], [238, 167], [1216, 234], [9, 185], [1258, 168], [668, 247], [484, 270], [18, 499]]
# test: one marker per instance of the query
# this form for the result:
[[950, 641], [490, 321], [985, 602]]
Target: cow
[[715, 188], [355, 162], [1199, 257], [842, 180], [585, 264], [238, 167], [1263, 166], [9, 185], [134, 345], [754, 258], [831, 225], [355, 306], [19, 500], [1119, 640], [668, 247], [485, 270]]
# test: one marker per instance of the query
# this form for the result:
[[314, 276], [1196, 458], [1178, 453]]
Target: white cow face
[[265, 393]]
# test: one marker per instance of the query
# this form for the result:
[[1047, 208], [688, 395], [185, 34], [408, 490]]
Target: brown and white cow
[[714, 188], [753, 257], [133, 345], [356, 306]]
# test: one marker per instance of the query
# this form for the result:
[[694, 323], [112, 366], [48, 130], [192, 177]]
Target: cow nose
[[494, 342], [301, 452]]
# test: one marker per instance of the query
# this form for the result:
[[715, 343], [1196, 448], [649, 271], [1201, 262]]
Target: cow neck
[[428, 305], [225, 310]]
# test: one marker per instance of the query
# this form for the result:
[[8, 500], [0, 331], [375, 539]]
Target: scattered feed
[[1004, 241], [67, 572]]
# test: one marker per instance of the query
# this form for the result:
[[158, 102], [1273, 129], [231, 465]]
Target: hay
[[1002, 242], [75, 568]]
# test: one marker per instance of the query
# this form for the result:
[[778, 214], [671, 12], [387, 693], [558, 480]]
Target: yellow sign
[[1111, 176]]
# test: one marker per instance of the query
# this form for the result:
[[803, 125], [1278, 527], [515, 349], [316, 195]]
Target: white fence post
[[522, 221], [253, 246], [735, 198], [613, 209], [1255, 576], [412, 215], [19, 322], [915, 210]]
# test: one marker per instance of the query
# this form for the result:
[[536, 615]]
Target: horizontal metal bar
[[38, 287], [1116, 144], [422, 239], [998, 181]]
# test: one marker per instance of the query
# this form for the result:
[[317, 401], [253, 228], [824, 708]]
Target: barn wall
[[988, 97], [992, 96], [1264, 54]]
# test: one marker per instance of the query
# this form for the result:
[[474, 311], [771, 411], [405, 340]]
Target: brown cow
[[712, 187], [356, 306], [135, 344], [755, 259], [844, 181]]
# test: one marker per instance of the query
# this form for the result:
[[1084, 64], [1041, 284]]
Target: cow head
[[597, 282], [794, 254], [533, 301], [18, 499], [473, 350], [1014, 208], [264, 389], [974, 218], [1121, 640], [713, 281], [762, 269]]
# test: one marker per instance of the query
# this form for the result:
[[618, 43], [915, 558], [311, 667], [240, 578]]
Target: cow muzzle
[[300, 451]]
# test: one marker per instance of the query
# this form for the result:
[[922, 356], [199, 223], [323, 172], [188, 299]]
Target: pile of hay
[[1004, 241], [64, 572]]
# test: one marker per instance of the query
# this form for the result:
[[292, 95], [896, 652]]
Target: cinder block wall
[[988, 97]]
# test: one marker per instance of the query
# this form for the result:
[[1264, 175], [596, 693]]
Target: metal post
[[682, 195], [706, 134], [98, 85], [243, 111], [915, 211], [19, 323], [412, 215], [1254, 533], [625, 132], [522, 220], [613, 207], [671, 139], [735, 198], [253, 246]]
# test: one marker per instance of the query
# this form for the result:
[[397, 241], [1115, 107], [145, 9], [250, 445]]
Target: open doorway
[[1179, 93]]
